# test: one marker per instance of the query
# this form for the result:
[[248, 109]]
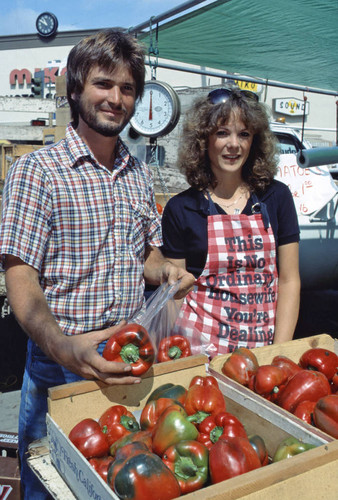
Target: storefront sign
[[254, 87], [24, 76], [290, 106]]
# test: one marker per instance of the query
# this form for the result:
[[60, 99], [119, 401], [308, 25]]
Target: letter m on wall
[[20, 76]]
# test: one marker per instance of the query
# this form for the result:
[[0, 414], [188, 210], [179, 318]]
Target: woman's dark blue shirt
[[184, 223]]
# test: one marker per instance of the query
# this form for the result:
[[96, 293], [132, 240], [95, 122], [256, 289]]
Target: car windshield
[[287, 144]]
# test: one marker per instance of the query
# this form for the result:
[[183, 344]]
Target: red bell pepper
[[89, 439], [334, 384], [306, 385], [122, 454], [159, 208], [204, 381], [289, 366], [304, 411], [325, 415], [172, 427], [116, 422], [174, 347], [323, 360], [204, 398], [143, 437], [258, 444], [169, 390], [231, 457], [101, 465], [268, 380], [188, 460], [152, 411], [132, 345], [241, 365], [138, 474], [219, 424]]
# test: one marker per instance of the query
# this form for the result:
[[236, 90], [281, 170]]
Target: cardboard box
[[163, 199], [293, 350], [54, 134], [71, 403], [62, 117], [60, 85], [9, 466]]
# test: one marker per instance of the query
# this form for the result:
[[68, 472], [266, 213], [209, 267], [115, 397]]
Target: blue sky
[[19, 16]]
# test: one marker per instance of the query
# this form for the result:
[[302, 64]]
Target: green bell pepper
[[172, 427], [169, 390], [139, 474], [290, 447], [189, 461]]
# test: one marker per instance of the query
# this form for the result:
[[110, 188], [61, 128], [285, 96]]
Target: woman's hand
[[158, 269]]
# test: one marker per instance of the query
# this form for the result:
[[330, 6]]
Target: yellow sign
[[253, 87]]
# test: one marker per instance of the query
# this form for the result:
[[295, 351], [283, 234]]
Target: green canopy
[[290, 41]]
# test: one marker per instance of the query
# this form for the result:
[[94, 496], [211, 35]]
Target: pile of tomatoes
[[308, 389], [184, 440]]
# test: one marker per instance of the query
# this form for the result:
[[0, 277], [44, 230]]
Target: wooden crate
[[71, 403], [9, 466], [9, 153]]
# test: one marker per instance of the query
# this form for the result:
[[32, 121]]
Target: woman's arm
[[158, 269], [182, 264], [288, 292]]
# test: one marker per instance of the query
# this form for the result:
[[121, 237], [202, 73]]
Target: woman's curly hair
[[204, 118]]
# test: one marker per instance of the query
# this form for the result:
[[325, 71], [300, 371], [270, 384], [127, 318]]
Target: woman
[[235, 228]]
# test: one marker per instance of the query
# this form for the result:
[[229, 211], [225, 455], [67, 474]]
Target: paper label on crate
[[8, 438], [73, 467]]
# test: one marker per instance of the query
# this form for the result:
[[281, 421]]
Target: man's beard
[[105, 128]]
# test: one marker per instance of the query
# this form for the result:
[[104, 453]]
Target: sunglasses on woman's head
[[222, 95]]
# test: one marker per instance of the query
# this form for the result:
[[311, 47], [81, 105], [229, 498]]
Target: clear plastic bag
[[160, 320], [160, 313]]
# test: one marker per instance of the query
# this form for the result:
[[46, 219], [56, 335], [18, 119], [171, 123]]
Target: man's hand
[[78, 353]]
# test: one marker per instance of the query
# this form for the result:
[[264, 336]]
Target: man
[[80, 233]]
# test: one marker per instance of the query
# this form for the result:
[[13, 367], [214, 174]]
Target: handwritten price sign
[[311, 188]]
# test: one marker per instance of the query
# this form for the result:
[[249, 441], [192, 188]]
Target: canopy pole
[[169, 13], [271, 83], [336, 123]]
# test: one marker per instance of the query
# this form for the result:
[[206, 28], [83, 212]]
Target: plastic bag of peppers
[[149, 339], [185, 440]]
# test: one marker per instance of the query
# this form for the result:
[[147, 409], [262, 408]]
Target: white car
[[290, 142], [316, 198]]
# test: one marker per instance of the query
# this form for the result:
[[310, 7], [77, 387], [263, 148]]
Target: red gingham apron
[[233, 303]]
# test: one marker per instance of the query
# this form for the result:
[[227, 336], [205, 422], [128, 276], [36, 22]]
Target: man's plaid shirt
[[83, 228]]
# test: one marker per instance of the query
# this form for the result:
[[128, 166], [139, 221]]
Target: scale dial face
[[158, 112], [46, 24]]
